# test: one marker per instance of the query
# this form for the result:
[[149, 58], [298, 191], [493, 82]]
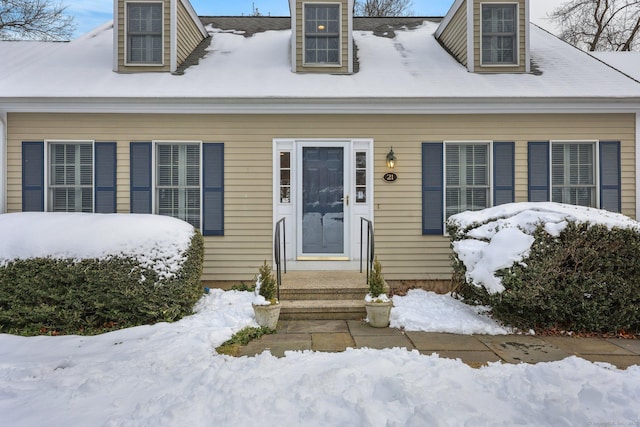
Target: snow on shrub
[[542, 265], [77, 273], [157, 242]]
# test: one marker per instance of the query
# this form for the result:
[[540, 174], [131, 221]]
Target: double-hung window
[[322, 34], [464, 175], [467, 177], [586, 173], [499, 34], [144, 33], [178, 181], [70, 181], [573, 173]]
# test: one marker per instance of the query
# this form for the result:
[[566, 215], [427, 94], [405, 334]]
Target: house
[[233, 123]]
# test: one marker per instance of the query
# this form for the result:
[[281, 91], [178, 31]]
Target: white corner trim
[[173, 37], [350, 37], [292, 40], [637, 164], [527, 37], [3, 162], [471, 53], [115, 35]]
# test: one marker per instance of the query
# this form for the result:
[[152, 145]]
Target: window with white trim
[[499, 29], [573, 173], [285, 177], [467, 177], [70, 183], [177, 183], [322, 34], [144, 33]]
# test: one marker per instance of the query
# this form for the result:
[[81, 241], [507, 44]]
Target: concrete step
[[323, 295], [352, 309]]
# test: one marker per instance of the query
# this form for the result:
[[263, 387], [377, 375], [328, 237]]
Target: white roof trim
[[448, 17], [195, 18], [323, 106]]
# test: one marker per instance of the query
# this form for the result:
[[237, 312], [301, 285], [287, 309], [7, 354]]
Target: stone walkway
[[475, 350]]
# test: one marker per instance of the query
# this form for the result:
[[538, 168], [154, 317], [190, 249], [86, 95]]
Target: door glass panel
[[322, 200]]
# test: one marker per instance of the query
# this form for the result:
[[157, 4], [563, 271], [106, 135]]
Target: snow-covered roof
[[411, 65], [627, 62]]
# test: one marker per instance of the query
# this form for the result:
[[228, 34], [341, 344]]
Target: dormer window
[[499, 34], [144, 33], [322, 34]]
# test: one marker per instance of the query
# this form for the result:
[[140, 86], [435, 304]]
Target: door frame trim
[[290, 209]]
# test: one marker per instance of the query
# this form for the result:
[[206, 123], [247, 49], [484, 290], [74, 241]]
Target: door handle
[[345, 199]]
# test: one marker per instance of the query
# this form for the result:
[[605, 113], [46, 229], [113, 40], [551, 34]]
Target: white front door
[[322, 188]]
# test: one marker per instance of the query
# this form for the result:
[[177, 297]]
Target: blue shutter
[[538, 175], [105, 177], [212, 189], [33, 176], [610, 198], [503, 173], [140, 176], [432, 188]]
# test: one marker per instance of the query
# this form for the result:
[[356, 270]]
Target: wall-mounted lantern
[[390, 176]]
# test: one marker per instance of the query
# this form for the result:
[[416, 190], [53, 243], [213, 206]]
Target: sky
[[90, 14]]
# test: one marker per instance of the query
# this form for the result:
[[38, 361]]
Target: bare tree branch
[[34, 20], [600, 24], [383, 8]]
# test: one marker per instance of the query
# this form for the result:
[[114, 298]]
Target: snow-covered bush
[[87, 273], [545, 265]]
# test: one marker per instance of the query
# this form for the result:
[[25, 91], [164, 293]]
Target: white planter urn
[[267, 315], [378, 313]]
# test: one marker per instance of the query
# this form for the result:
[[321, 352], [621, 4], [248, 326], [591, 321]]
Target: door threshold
[[322, 258]]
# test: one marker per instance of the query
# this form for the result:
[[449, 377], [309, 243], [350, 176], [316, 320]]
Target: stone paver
[[620, 362], [521, 348], [425, 341], [382, 341], [630, 345], [312, 326], [277, 344], [474, 350], [331, 342], [472, 358], [359, 328], [583, 346]]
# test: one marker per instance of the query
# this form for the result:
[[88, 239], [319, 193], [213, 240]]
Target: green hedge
[[52, 296], [586, 279]]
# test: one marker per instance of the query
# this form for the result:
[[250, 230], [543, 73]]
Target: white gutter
[[3, 162], [372, 105], [471, 52]]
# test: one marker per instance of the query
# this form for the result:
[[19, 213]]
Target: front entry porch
[[323, 295]]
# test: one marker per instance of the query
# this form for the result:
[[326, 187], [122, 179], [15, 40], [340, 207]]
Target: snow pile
[[427, 311], [497, 237], [157, 242], [170, 375]]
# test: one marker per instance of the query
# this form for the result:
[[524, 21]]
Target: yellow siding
[[189, 37], [403, 250], [344, 41], [454, 36], [166, 40], [521, 68]]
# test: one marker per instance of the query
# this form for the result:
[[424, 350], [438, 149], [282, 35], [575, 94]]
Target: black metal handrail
[[280, 246], [371, 246]]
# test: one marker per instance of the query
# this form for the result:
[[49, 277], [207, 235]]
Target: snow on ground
[[156, 241], [170, 375], [499, 236], [430, 312]]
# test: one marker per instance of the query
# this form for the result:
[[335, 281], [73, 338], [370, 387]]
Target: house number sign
[[390, 177]]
